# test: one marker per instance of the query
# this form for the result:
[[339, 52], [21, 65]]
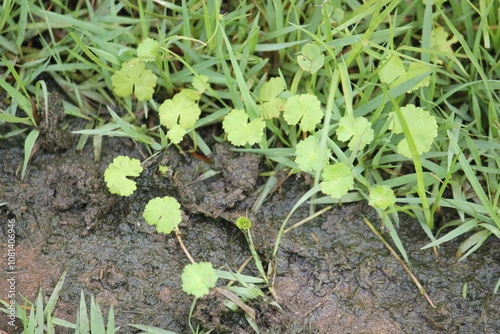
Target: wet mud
[[333, 274]]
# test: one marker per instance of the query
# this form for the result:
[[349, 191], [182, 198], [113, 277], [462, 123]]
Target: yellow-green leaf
[[422, 125], [338, 179], [358, 128], [116, 174], [304, 110], [240, 131]]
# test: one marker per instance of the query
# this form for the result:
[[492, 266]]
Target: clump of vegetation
[[393, 102]]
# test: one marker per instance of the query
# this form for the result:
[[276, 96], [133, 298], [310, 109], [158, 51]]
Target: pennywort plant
[[198, 278], [359, 94], [356, 122]]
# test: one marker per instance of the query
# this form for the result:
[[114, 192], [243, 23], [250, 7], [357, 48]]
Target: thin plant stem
[[405, 267]]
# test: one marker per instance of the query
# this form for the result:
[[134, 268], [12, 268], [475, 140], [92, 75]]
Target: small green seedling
[[163, 212], [244, 224], [241, 132], [338, 179], [382, 197], [198, 279], [393, 73], [423, 129], [163, 169], [311, 59], [117, 172], [305, 110], [134, 78], [358, 130]]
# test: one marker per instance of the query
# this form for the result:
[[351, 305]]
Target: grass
[[450, 56], [39, 318]]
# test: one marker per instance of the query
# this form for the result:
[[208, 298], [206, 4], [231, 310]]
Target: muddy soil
[[334, 275]]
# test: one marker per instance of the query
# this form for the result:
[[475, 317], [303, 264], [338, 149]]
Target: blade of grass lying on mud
[[463, 228], [406, 268], [472, 243], [301, 201], [151, 330]]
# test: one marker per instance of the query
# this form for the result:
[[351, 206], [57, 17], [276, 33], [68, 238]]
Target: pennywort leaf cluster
[[164, 213]]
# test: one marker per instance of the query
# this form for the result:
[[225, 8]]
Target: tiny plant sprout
[[163, 169], [243, 223], [163, 212], [198, 278], [117, 172], [382, 197]]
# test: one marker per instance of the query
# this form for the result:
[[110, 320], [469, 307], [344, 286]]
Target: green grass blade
[[472, 243], [464, 228], [151, 330], [51, 303], [39, 318], [418, 169], [82, 320], [111, 321], [301, 201], [29, 143], [472, 178], [96, 319], [251, 107]]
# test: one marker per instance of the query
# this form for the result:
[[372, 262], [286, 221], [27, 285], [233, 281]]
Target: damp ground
[[333, 274]]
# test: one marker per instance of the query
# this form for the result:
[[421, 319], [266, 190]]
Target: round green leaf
[[239, 131], [133, 74], [308, 157], [358, 128], [338, 179], [116, 175], [243, 223], [304, 109], [181, 110], [176, 133], [382, 197], [147, 50], [163, 212], [423, 129], [198, 278]]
